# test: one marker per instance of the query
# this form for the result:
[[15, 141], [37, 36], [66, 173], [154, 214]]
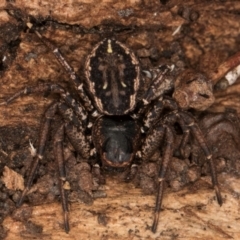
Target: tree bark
[[208, 33]]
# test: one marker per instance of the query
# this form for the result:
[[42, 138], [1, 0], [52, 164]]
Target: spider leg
[[49, 115], [152, 143], [159, 130], [74, 77], [82, 144], [50, 88], [78, 139], [74, 128], [58, 152], [198, 135], [131, 173], [184, 141], [41, 88], [161, 83], [167, 156], [186, 120], [154, 113]]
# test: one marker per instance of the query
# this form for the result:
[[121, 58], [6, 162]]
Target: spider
[[129, 118]]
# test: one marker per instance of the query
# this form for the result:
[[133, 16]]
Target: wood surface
[[126, 213]]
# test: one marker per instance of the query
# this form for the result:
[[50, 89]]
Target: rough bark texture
[[209, 34]]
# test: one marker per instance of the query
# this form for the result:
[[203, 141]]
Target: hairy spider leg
[[80, 144], [166, 158], [76, 121], [58, 153], [45, 126], [212, 123], [48, 116], [190, 123], [70, 71], [154, 114], [41, 88], [50, 88], [198, 135], [155, 136], [186, 120], [160, 84], [78, 140], [184, 142], [75, 132], [131, 173]]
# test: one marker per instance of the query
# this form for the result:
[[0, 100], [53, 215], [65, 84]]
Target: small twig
[[225, 67]]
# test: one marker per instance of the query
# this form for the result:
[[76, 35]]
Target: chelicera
[[128, 118]]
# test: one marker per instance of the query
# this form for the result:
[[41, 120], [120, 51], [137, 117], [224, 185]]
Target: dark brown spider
[[131, 118]]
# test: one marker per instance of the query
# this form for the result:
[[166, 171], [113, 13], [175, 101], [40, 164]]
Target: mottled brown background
[[126, 213]]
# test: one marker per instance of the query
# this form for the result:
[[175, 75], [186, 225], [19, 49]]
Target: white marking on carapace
[[123, 84], [136, 80], [88, 69], [109, 48], [105, 85], [135, 62]]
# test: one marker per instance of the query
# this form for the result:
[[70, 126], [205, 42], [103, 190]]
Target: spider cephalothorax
[[127, 122], [113, 76]]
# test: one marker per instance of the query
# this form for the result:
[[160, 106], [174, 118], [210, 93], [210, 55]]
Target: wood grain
[[126, 213]]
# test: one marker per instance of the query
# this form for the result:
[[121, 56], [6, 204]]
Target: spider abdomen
[[115, 139]]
